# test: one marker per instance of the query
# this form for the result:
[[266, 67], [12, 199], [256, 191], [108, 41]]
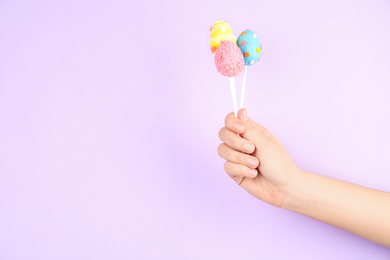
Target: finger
[[235, 141], [232, 155], [234, 124], [234, 170]]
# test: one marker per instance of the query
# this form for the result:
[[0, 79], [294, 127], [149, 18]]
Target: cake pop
[[251, 49], [230, 62], [220, 31]]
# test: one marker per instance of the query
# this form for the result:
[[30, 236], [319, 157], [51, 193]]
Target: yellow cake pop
[[220, 31]]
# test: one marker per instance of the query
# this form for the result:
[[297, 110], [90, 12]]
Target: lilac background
[[109, 120]]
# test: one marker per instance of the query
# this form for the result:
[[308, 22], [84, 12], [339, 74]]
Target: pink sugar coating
[[229, 59]]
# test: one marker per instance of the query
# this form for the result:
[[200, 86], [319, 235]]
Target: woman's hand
[[255, 159]]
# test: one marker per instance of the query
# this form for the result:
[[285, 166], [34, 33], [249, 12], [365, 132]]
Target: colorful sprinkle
[[252, 62], [258, 50], [243, 33], [246, 54], [243, 43], [254, 36]]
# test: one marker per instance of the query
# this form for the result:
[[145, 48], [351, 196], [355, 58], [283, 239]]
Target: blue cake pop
[[250, 47]]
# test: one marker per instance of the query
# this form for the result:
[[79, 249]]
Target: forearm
[[359, 210]]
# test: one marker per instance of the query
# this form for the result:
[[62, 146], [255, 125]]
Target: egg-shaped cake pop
[[220, 31], [228, 59], [250, 47]]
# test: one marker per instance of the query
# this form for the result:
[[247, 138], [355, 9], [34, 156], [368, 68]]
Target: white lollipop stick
[[243, 89], [233, 91]]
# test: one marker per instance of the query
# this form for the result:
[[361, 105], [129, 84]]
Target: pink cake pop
[[230, 62], [229, 59]]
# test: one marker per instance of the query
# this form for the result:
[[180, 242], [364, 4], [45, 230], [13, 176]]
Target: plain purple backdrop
[[109, 120]]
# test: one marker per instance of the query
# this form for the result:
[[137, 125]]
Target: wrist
[[294, 191]]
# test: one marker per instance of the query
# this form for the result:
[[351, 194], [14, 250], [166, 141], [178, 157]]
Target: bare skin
[[260, 164]]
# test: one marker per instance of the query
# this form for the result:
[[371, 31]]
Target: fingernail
[[252, 162], [244, 115], [253, 172], [249, 148], [240, 128]]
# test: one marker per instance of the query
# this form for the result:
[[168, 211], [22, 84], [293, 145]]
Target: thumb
[[254, 132]]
